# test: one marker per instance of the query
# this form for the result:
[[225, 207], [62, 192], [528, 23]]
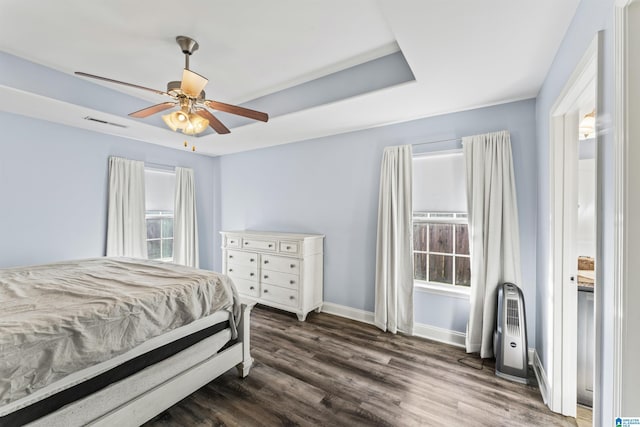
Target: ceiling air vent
[[104, 122]]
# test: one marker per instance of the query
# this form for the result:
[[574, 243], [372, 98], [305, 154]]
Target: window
[[441, 248], [160, 235], [159, 201], [440, 229]]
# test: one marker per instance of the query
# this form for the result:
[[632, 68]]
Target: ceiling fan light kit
[[193, 117], [190, 124], [185, 121]]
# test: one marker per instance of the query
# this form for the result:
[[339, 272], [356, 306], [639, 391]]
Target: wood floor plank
[[331, 371]]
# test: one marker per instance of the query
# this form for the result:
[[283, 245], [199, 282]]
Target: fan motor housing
[[173, 89]]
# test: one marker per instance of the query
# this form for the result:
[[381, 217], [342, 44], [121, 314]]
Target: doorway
[[577, 100], [585, 246]]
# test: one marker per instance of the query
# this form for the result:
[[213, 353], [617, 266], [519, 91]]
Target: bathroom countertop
[[586, 280]]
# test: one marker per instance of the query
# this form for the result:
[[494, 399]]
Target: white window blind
[[439, 183], [159, 190]]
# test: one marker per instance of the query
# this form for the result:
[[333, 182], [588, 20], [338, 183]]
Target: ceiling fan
[[193, 117]]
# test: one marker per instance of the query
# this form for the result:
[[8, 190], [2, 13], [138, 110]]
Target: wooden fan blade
[[146, 112], [106, 79], [213, 121], [240, 111], [192, 83]]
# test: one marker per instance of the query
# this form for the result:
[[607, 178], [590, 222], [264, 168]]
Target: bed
[[109, 341]]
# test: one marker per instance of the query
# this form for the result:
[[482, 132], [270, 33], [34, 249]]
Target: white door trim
[[626, 245], [563, 143], [619, 154]]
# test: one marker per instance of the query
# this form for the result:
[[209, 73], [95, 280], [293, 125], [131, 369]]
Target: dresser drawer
[[280, 295], [280, 279], [282, 264], [263, 245], [232, 242], [289, 247], [240, 271], [246, 287], [245, 258]]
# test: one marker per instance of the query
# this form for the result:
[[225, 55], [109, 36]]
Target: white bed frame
[[138, 398]]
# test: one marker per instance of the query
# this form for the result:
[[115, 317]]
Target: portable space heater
[[510, 338]]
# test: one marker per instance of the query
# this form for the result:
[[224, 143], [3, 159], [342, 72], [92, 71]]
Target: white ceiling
[[463, 53]]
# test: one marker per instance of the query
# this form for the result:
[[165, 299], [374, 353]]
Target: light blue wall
[[442, 311], [591, 17], [53, 190], [330, 186]]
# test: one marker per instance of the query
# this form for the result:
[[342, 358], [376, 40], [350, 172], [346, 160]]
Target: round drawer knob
[[292, 265], [266, 291], [251, 260], [266, 277], [230, 256], [246, 243], [291, 297], [251, 288], [291, 282], [251, 274], [231, 269], [270, 246], [266, 261], [288, 247]]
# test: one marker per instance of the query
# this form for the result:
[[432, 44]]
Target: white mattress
[[57, 320], [92, 371]]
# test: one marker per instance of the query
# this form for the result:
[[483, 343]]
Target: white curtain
[[185, 223], [394, 257], [493, 232], [126, 225]]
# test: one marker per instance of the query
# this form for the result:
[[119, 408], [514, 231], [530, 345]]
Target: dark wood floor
[[337, 372]]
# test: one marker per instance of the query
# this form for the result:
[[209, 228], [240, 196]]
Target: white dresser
[[281, 270]]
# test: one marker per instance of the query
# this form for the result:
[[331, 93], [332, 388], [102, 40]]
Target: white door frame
[[626, 292], [563, 162]]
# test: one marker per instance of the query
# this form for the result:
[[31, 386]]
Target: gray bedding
[[56, 319]]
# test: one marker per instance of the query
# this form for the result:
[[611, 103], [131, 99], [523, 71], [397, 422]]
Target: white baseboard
[[439, 334], [420, 330], [541, 376], [348, 312]]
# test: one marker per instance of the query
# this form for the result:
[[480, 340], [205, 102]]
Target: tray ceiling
[[462, 54]]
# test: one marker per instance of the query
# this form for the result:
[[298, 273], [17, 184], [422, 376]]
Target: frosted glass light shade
[[195, 125], [188, 123], [192, 83], [176, 120]]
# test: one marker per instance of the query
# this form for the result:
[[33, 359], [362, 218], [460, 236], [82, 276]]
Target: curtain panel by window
[[185, 222], [494, 241], [126, 226], [394, 258]]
